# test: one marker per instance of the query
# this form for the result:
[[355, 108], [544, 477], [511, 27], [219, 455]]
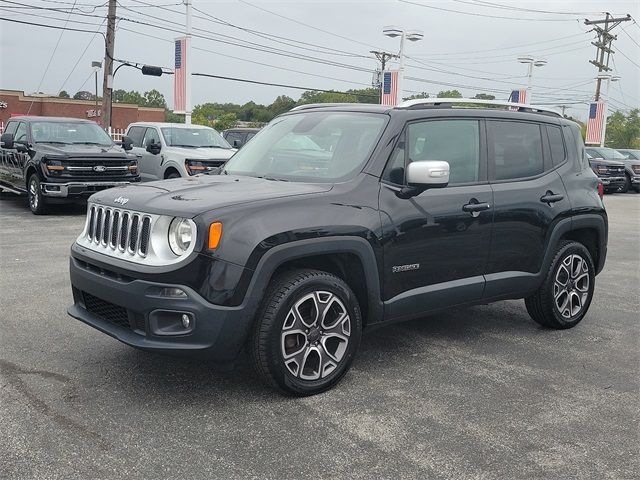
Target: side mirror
[[7, 140], [424, 175], [237, 144], [153, 147], [127, 143]]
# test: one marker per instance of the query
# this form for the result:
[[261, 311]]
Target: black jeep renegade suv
[[338, 218]]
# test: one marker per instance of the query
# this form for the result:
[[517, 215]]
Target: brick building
[[15, 102]]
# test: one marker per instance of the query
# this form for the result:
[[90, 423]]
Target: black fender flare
[[592, 221], [281, 254]]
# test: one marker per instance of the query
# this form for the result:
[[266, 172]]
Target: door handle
[[475, 207], [551, 197]]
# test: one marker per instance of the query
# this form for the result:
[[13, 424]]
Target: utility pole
[[107, 82], [605, 38], [187, 73], [382, 57]]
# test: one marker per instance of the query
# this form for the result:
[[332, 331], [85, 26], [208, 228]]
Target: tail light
[[600, 190]]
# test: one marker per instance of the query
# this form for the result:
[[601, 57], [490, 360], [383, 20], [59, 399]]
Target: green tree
[[311, 96], [365, 95], [623, 131], [224, 121], [484, 96], [63, 94], [449, 94], [171, 117], [417, 96], [84, 95], [153, 98], [281, 104]]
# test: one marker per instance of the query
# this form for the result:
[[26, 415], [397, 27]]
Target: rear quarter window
[[556, 145]]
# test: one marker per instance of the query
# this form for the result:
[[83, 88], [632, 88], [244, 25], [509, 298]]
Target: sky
[[468, 45]]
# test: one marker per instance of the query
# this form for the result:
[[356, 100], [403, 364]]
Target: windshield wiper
[[90, 143], [182, 145], [53, 142]]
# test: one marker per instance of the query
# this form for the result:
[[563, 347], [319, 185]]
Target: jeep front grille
[[124, 230], [132, 236]]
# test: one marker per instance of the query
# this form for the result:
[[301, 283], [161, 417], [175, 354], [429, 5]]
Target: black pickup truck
[[61, 159]]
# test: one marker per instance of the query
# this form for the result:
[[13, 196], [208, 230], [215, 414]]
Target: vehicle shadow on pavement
[[13, 201], [185, 379]]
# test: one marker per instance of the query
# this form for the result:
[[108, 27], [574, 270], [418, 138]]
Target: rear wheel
[[565, 295], [307, 332], [37, 202]]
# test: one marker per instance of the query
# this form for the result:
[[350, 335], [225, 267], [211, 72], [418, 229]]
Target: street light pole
[[609, 78], [412, 36], [187, 116], [531, 62]]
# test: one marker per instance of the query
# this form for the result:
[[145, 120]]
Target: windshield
[[193, 137], [69, 133], [311, 146], [609, 154]]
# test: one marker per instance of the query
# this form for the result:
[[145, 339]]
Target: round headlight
[[180, 235]]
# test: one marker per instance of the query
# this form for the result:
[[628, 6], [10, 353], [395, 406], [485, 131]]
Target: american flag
[[518, 96], [390, 88], [595, 122], [179, 76]]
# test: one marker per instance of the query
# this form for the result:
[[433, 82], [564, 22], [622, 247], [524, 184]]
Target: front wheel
[[566, 293], [627, 184], [37, 202], [307, 332]]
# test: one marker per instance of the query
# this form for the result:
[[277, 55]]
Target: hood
[[191, 196], [201, 153], [82, 150], [609, 163]]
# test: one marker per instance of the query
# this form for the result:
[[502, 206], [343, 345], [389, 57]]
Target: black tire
[[37, 201], [543, 306], [269, 341], [627, 185], [637, 188], [173, 175]]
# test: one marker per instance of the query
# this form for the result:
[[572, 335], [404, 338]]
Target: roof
[[242, 129], [167, 125], [37, 118]]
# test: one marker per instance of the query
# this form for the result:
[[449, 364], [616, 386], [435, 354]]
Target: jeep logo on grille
[[99, 168], [121, 200]]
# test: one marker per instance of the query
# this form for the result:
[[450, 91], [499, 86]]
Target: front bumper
[[135, 312], [635, 179], [77, 189], [612, 182]]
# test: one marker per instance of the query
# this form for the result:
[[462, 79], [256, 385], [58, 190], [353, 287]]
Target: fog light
[[186, 321], [173, 292]]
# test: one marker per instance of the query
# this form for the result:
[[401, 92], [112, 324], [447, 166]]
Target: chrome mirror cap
[[428, 173]]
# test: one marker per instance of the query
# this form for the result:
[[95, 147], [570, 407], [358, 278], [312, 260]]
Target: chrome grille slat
[[115, 229]]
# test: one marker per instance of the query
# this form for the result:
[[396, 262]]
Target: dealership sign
[[3, 104], [94, 113]]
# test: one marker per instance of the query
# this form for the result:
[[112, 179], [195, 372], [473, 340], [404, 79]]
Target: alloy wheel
[[315, 335], [33, 194], [571, 286]]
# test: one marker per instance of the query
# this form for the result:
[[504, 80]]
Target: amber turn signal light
[[215, 234]]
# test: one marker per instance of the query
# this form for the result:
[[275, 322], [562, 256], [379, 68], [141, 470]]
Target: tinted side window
[[136, 133], [21, 133], [515, 149], [151, 135], [231, 136], [454, 141], [556, 144], [11, 127]]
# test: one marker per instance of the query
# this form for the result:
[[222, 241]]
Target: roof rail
[[309, 106], [450, 102]]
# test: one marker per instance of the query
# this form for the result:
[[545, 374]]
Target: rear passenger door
[[529, 199]]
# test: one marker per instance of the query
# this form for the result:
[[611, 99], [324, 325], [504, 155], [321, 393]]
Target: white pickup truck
[[172, 150]]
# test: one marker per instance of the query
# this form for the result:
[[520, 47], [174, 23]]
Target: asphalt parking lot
[[476, 393]]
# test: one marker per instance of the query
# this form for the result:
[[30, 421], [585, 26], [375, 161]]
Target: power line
[[55, 49], [55, 27], [520, 9], [283, 85], [308, 26], [475, 14], [81, 56]]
